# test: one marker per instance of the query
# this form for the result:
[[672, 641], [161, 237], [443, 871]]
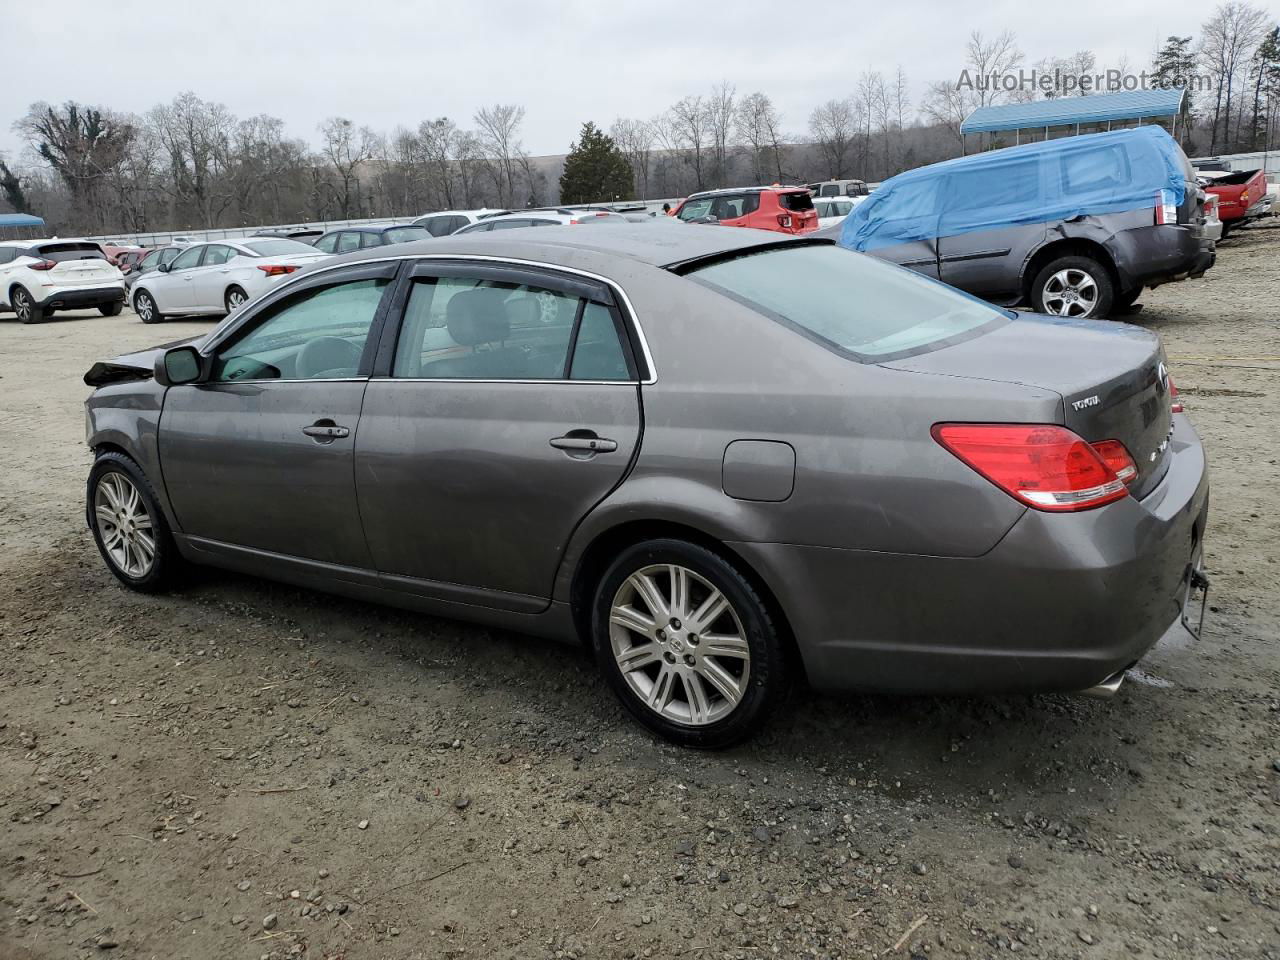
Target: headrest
[[477, 316], [523, 311]]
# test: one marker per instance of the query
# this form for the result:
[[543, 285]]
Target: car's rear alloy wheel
[[1078, 287], [687, 643], [236, 298], [27, 310], [127, 524]]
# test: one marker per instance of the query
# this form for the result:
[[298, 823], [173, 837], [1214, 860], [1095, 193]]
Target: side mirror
[[164, 267], [178, 366]]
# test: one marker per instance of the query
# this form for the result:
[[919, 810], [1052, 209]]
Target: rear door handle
[[584, 444], [326, 431]]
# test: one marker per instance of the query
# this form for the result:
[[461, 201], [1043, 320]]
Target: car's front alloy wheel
[[145, 307], [687, 643], [127, 524]]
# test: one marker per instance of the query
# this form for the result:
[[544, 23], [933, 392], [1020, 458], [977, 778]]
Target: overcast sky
[[384, 64]]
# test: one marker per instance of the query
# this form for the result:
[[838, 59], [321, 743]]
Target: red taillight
[[44, 265], [1044, 466], [572, 222], [1116, 457], [784, 221], [277, 269], [1175, 405], [1166, 209]]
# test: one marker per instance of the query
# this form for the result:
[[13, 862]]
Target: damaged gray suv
[[720, 458]]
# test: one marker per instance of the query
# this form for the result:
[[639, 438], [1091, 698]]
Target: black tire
[[1226, 230], [165, 559], [765, 669], [232, 293], [1104, 288], [144, 305], [1124, 301], [25, 307], [111, 309]]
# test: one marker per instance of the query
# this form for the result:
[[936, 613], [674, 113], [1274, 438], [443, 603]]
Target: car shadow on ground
[[1032, 747]]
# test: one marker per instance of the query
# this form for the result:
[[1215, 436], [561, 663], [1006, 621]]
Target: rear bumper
[[75, 297], [1063, 602], [1151, 256]]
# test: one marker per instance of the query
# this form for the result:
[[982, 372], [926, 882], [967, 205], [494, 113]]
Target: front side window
[[316, 334], [696, 208], [372, 240], [328, 243], [831, 190], [854, 304], [188, 258]]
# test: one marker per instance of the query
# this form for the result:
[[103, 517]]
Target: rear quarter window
[[1094, 169], [797, 202], [855, 305]]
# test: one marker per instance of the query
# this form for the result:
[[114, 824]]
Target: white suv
[[38, 277]]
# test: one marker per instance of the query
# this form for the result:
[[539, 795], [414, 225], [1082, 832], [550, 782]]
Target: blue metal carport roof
[[1063, 111], [20, 220]]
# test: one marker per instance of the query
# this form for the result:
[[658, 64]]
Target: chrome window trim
[[598, 383], [219, 334]]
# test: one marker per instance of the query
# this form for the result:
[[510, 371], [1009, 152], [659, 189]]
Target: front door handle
[[584, 441], [326, 431]]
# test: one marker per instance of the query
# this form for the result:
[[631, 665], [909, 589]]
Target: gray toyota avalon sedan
[[721, 458]]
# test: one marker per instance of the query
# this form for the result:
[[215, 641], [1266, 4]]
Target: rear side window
[[1018, 183], [853, 304], [7, 254], [405, 234], [440, 226], [327, 244], [61, 252], [348, 241], [1094, 169], [797, 201]]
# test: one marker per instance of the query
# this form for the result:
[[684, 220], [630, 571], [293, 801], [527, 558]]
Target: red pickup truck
[[1242, 196]]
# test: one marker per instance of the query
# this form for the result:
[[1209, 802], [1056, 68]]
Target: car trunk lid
[[1112, 379], [77, 264]]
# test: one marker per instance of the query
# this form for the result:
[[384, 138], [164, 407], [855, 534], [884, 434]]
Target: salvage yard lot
[[243, 769]]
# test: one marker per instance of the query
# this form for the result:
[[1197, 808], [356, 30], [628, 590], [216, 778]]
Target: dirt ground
[[246, 770]]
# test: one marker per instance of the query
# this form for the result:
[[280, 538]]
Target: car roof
[[655, 243], [770, 189], [367, 229]]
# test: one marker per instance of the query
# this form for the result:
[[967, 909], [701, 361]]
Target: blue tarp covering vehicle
[[1050, 180], [1112, 213]]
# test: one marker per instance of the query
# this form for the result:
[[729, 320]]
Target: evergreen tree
[[1174, 66], [595, 170]]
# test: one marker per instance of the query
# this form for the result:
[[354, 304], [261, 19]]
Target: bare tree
[[82, 144], [1230, 37], [947, 104], [720, 114], [834, 125], [347, 148], [756, 124], [688, 124], [499, 132], [635, 138], [990, 60]]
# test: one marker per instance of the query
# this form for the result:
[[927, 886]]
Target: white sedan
[[833, 210], [218, 278]]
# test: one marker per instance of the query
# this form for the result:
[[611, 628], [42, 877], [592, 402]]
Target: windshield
[[280, 247], [849, 302]]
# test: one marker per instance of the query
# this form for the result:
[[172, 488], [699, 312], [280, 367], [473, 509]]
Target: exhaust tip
[[1107, 688]]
